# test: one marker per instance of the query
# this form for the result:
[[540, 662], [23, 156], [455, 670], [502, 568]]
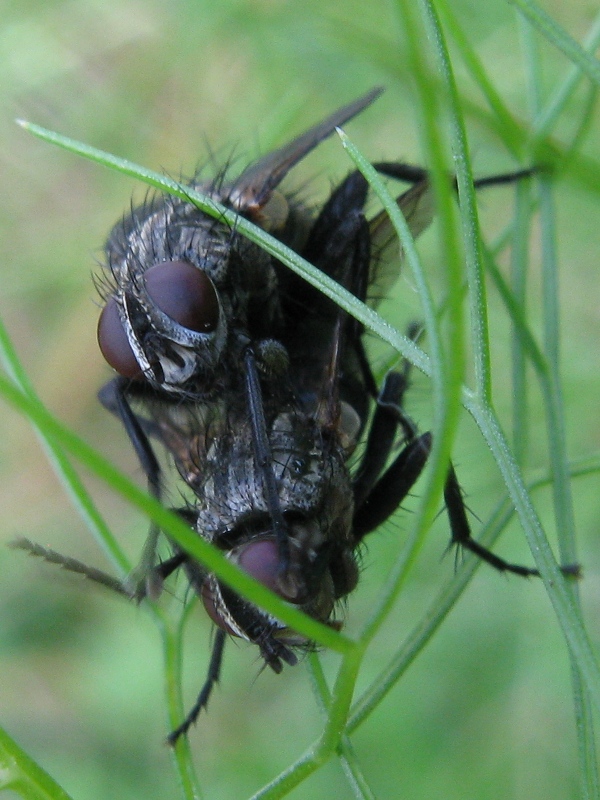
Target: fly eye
[[114, 344], [185, 294], [214, 608], [181, 291], [261, 560]]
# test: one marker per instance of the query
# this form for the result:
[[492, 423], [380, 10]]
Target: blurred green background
[[486, 710]]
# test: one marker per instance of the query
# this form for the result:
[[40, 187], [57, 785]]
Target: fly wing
[[253, 189], [417, 207]]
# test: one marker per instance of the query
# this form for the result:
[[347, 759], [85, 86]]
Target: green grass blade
[[511, 131], [520, 334], [548, 115], [172, 643], [558, 592], [62, 467], [21, 775], [347, 756], [552, 393], [557, 36], [468, 211]]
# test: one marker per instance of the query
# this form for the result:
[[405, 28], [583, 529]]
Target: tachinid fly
[[259, 388]]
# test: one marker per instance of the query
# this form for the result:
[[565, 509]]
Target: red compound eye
[[181, 291], [114, 344], [212, 610], [184, 293], [261, 560]]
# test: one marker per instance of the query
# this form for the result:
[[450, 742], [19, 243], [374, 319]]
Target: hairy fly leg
[[212, 678], [241, 616], [378, 494], [113, 397], [235, 616], [162, 570], [263, 456], [461, 534], [412, 174]]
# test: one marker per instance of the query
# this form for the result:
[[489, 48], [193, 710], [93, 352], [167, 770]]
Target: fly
[[260, 389]]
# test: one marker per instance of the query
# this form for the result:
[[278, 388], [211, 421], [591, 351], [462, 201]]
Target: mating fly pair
[[259, 388]]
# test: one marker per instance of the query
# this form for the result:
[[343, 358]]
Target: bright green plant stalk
[[407, 556], [468, 212], [557, 36], [547, 116], [171, 630], [447, 358], [552, 393], [519, 270], [484, 414], [509, 129], [20, 774], [346, 753], [67, 475]]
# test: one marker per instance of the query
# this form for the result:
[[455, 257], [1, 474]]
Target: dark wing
[[417, 207], [253, 189]]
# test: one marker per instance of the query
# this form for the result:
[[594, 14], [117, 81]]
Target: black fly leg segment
[[378, 495], [411, 174], [461, 534], [461, 531], [381, 437], [212, 678], [272, 651], [262, 453], [113, 398]]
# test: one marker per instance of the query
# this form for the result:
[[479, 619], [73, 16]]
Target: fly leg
[[378, 493], [461, 534], [114, 399], [263, 455], [161, 571], [230, 611], [411, 174], [212, 678]]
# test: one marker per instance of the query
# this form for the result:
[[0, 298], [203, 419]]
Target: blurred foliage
[[485, 711]]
